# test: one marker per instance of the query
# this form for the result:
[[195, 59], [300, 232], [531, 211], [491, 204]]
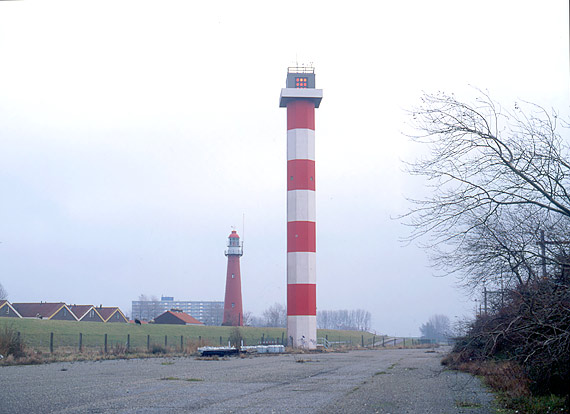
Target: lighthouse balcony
[[234, 251]]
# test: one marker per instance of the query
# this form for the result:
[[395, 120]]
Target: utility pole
[[543, 253], [542, 243], [485, 298]]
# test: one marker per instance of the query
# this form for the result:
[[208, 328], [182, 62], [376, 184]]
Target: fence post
[[165, 341], [148, 342], [51, 342], [181, 343], [262, 336], [220, 341], [373, 341], [199, 340], [282, 337], [80, 342], [362, 341], [404, 343], [105, 343], [128, 342], [383, 341]]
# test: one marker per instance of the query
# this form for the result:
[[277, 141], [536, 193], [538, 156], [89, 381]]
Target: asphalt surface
[[380, 381]]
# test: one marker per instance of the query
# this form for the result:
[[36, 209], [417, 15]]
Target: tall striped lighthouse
[[301, 98]]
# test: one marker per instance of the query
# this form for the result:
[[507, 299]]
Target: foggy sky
[[135, 134]]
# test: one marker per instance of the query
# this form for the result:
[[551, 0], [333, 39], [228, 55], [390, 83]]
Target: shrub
[[158, 349], [11, 343], [522, 348], [236, 337]]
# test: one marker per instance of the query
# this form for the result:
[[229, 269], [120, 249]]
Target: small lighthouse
[[301, 98], [233, 311]]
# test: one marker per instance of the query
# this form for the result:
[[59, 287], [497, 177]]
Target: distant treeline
[[353, 320]]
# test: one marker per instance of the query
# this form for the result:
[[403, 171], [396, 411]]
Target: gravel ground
[[381, 381]]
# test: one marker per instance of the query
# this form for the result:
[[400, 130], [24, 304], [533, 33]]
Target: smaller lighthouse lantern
[[234, 245]]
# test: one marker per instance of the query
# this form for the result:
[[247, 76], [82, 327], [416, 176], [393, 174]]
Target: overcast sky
[[135, 134]]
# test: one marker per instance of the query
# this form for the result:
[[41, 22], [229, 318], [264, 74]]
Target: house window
[[64, 312], [91, 313], [233, 276], [233, 305]]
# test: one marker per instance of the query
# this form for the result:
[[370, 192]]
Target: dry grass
[[511, 383], [505, 376]]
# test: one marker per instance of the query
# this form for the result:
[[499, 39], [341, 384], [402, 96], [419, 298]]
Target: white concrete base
[[302, 331]]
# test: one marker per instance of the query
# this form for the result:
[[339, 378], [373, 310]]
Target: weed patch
[[467, 404], [181, 379]]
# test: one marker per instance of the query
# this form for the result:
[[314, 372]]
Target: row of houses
[[85, 313], [61, 312]]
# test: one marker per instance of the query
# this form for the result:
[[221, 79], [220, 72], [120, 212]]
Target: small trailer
[[218, 350]]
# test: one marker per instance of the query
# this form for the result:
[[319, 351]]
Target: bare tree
[[148, 309], [247, 318], [3, 293], [437, 328], [357, 319], [500, 215], [498, 178], [275, 315], [256, 321]]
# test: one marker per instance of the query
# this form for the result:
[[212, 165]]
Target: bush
[[529, 336], [11, 343], [158, 349], [236, 337]]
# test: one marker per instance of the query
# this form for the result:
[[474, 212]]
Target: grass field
[[36, 334]]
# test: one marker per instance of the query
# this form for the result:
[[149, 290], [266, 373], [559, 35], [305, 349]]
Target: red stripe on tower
[[301, 175], [301, 299], [301, 236], [301, 114], [301, 98]]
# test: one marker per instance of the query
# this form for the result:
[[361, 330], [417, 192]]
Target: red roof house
[[7, 310], [176, 318], [43, 310], [111, 314], [86, 313]]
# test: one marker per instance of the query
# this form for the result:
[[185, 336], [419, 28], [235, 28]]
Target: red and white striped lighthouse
[[233, 311], [301, 98]]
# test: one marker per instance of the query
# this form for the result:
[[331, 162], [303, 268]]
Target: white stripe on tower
[[301, 144], [301, 224]]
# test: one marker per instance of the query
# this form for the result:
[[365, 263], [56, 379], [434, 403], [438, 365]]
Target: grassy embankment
[[36, 334]]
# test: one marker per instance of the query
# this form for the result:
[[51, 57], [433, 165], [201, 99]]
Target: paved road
[[381, 381]]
